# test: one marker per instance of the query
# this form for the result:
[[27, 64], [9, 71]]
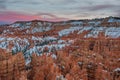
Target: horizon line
[[8, 23]]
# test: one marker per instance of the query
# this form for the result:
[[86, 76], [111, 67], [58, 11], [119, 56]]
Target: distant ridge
[[96, 19]]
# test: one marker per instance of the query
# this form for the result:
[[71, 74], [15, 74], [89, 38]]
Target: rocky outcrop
[[12, 67], [43, 68]]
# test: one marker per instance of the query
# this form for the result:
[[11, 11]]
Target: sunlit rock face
[[69, 50]]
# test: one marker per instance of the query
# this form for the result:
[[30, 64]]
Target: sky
[[56, 10]]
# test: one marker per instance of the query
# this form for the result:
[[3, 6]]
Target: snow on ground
[[117, 69], [50, 38], [77, 23], [15, 25], [21, 25], [3, 45], [24, 45], [68, 31], [112, 32], [38, 29], [113, 20], [36, 38], [85, 29]]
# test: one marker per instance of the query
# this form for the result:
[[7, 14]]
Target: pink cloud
[[10, 16]]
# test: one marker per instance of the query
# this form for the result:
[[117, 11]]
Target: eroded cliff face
[[81, 63], [71, 50], [12, 67], [86, 59]]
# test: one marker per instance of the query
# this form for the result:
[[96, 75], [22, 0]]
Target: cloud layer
[[55, 10]]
